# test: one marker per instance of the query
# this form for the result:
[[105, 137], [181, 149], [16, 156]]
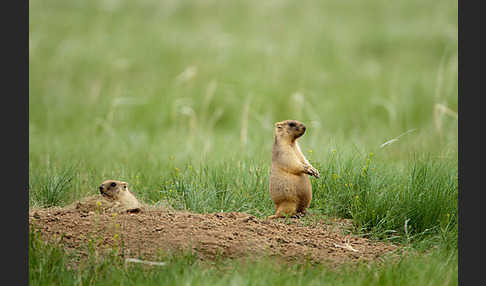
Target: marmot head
[[289, 130], [113, 188]]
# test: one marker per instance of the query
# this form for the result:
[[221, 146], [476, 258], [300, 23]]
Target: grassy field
[[179, 99]]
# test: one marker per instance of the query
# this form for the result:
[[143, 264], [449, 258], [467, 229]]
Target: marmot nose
[[303, 127], [101, 189]]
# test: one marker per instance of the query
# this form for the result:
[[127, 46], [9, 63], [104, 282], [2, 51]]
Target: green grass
[[178, 98]]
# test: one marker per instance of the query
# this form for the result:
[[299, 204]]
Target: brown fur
[[119, 192], [290, 187], [116, 198]]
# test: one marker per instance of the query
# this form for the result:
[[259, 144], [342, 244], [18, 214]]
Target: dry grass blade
[[346, 245], [396, 138], [244, 123], [134, 260], [439, 111], [188, 74]]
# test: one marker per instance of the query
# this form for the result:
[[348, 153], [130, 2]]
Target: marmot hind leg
[[285, 209]]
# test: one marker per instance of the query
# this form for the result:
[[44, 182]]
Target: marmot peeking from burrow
[[119, 192], [114, 197], [290, 187]]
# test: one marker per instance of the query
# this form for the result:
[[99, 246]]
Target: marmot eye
[[292, 124], [113, 184]]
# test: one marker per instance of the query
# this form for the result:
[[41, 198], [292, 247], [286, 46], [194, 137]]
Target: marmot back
[[290, 187]]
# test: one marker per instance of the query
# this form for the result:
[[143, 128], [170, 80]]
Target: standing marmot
[[290, 187]]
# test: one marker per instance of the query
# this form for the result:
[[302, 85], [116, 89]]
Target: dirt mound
[[233, 235]]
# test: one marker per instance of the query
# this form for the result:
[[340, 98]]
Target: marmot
[[119, 192], [114, 197], [290, 187]]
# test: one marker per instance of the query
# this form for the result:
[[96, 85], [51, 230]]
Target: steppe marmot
[[119, 192], [290, 187], [114, 196]]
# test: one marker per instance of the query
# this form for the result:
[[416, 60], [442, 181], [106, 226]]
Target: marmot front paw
[[311, 171]]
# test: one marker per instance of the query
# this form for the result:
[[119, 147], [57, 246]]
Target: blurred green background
[[122, 88]]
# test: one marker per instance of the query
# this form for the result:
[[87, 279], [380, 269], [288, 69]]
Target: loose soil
[[232, 235]]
